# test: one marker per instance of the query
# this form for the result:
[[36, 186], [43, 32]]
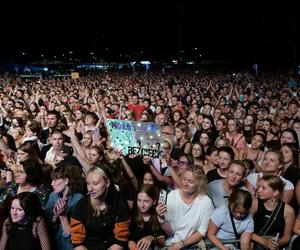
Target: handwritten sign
[[139, 138]]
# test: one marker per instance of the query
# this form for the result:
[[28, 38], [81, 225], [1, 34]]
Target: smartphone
[[163, 196], [277, 237]]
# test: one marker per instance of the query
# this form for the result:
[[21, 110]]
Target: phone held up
[[163, 196]]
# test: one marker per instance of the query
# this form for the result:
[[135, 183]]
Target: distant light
[[175, 61], [42, 55], [190, 62], [23, 53], [196, 48], [145, 62], [45, 69], [91, 53], [71, 52], [200, 55], [132, 63]]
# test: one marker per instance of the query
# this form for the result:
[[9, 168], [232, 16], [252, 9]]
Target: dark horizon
[[247, 32]]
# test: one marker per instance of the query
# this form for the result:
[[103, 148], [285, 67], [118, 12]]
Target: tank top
[[261, 217], [20, 236]]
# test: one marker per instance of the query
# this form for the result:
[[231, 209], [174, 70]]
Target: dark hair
[[151, 191], [227, 150], [240, 197], [210, 150], [31, 148], [294, 133], [295, 153], [32, 207], [33, 172], [73, 174]]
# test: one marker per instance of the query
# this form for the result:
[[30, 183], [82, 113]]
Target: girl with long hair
[[145, 230]]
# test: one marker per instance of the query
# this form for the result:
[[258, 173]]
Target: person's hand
[[161, 210], [59, 157], [146, 160], [145, 243], [176, 246], [60, 207], [271, 244]]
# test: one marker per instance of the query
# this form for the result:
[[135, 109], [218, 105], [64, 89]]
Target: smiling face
[[206, 124], [17, 213], [148, 179]]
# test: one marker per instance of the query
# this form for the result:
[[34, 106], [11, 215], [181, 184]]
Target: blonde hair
[[101, 172], [200, 179]]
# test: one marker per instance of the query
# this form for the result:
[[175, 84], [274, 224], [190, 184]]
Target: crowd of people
[[229, 165]]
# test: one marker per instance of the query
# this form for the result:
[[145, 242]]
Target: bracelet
[[183, 244]]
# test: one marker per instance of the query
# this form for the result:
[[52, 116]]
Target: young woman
[[145, 230], [272, 217], [68, 186], [182, 141], [198, 154], [221, 189], [25, 229], [101, 219], [225, 156], [27, 177], [235, 138], [271, 165], [211, 159], [254, 152], [235, 214], [185, 216], [291, 170]]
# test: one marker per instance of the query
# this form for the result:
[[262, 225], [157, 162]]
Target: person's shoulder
[[288, 210]]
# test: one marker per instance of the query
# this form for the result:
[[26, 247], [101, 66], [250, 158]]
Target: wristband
[[161, 221]]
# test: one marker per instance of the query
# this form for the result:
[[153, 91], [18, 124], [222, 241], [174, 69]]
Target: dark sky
[[247, 31]]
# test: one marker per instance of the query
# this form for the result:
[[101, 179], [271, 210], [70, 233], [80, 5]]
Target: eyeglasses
[[182, 163]]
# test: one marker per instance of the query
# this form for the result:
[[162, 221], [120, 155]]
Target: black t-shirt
[[213, 175], [137, 165]]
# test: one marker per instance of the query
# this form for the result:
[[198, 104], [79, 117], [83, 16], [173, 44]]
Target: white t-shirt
[[186, 219], [252, 178]]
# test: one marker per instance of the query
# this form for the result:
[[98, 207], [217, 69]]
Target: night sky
[[246, 31]]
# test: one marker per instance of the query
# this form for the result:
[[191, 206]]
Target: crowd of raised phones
[[228, 174]]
